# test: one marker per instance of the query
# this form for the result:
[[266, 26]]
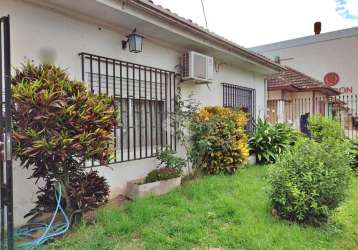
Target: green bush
[[219, 140], [310, 180], [168, 159], [161, 174], [269, 141], [321, 127], [170, 166]]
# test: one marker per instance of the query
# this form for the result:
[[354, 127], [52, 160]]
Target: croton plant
[[58, 125]]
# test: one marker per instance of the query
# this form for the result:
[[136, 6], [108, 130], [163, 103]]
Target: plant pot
[[252, 159], [136, 189]]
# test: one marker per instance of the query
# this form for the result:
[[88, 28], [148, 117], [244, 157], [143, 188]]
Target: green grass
[[228, 212]]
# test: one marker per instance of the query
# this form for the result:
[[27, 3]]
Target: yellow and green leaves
[[58, 125], [219, 140]]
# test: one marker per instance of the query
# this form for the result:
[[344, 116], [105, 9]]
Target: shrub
[[321, 127], [170, 166], [219, 141], [58, 125], [269, 141], [86, 191], [168, 159], [354, 154], [161, 174], [310, 180], [181, 118]]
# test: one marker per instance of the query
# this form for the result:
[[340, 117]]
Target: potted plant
[[160, 180]]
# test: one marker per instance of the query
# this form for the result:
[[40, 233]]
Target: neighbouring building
[[292, 94], [89, 38], [329, 57]]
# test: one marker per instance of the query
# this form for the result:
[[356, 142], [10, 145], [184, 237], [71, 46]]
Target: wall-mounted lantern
[[135, 42]]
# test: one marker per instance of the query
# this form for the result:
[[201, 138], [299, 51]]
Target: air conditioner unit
[[197, 67]]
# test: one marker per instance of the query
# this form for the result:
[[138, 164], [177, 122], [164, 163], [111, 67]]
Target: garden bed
[[138, 188], [227, 212]]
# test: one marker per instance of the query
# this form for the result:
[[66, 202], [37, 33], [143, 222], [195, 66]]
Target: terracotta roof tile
[[294, 78]]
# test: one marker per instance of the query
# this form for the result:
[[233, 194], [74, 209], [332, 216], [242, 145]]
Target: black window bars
[[146, 101], [244, 98]]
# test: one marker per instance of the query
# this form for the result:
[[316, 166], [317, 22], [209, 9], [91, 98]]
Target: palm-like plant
[[269, 141]]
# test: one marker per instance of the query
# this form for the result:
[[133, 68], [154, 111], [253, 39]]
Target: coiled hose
[[51, 230]]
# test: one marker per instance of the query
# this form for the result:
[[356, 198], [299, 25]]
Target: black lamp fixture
[[135, 42]]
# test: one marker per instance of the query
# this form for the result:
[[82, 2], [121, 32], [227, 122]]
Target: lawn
[[227, 212]]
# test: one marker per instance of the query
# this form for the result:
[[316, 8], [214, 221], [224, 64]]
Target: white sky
[[256, 22]]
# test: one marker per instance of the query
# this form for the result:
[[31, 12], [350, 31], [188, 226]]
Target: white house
[[86, 37]]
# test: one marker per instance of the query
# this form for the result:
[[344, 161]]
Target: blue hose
[[51, 230]]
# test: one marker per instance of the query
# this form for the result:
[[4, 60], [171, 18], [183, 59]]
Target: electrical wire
[[51, 230], [206, 21]]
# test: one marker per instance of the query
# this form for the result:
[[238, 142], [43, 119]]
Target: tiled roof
[[194, 26], [299, 81]]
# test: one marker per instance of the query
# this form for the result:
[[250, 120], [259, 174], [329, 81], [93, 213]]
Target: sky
[[257, 22]]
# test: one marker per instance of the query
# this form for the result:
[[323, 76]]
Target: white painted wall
[[212, 94], [34, 29]]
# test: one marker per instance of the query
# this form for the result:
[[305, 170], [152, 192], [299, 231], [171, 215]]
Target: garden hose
[[51, 230]]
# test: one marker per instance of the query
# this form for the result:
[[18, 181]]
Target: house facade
[[293, 94], [85, 36]]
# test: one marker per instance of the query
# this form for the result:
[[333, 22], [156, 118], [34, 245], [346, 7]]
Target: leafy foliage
[[170, 166], [269, 141], [168, 159], [87, 191], [310, 180], [58, 125], [161, 174], [322, 127], [185, 112], [219, 141], [354, 154]]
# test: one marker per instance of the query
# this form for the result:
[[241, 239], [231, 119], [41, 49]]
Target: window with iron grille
[[145, 97], [244, 98]]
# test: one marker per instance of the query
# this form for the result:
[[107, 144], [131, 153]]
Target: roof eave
[[149, 7]]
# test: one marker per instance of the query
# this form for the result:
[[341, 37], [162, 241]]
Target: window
[[145, 112], [244, 98], [145, 99]]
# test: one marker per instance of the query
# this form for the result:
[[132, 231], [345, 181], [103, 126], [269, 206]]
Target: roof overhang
[[325, 90], [161, 27], [287, 87]]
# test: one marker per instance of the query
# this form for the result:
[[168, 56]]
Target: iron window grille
[[244, 98], [146, 102]]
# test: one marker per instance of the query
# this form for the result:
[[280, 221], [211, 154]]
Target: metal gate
[[6, 186]]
